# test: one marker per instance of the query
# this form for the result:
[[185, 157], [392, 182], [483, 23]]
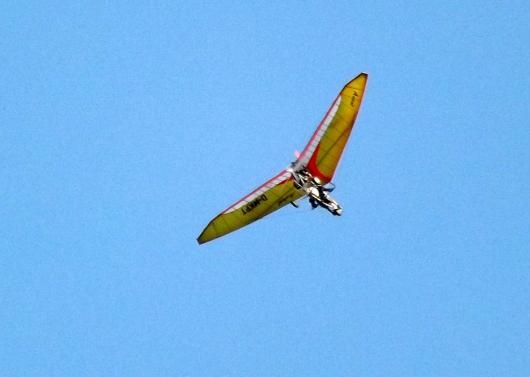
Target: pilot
[[322, 191]]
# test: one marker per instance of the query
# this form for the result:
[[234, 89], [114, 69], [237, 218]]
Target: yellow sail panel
[[322, 154], [272, 195]]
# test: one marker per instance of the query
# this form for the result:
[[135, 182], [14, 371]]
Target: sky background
[[126, 126]]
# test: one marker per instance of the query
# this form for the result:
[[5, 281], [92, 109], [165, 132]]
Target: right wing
[[267, 198], [322, 154]]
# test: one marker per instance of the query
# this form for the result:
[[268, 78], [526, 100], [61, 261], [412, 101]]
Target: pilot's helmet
[[318, 181]]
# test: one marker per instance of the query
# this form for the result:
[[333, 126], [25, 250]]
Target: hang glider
[[309, 176]]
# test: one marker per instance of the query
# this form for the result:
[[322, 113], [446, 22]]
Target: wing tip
[[362, 75], [202, 237]]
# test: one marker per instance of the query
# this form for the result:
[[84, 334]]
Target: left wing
[[267, 198]]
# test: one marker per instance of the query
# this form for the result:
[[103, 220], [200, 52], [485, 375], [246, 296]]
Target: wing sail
[[320, 157], [322, 154], [267, 198]]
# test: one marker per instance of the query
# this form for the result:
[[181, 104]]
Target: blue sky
[[126, 126]]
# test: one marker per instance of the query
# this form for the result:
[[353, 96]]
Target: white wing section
[[283, 176], [317, 136]]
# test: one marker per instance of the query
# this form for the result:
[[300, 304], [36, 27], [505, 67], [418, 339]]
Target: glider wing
[[322, 154], [320, 157], [267, 198]]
